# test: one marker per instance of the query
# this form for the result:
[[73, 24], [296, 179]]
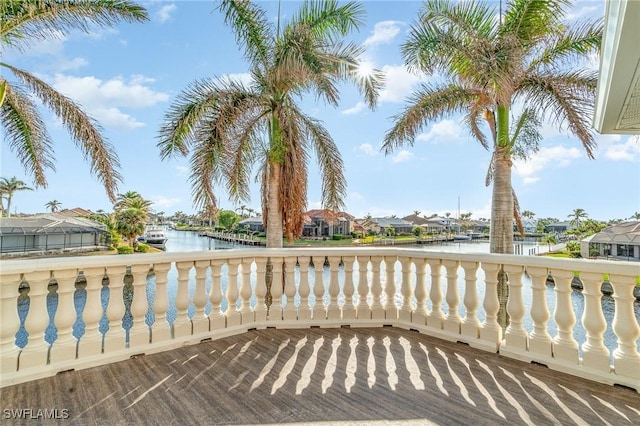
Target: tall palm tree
[[23, 23], [53, 205], [528, 214], [528, 60], [130, 222], [228, 126], [132, 199], [8, 187], [577, 216]]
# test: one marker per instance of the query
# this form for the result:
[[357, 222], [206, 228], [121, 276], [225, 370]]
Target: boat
[[154, 236], [461, 237]]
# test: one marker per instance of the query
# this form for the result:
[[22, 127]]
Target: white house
[[621, 241]]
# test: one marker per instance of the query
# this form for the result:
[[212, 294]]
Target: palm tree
[[528, 214], [486, 68], [53, 205], [21, 24], [132, 199], [228, 126], [577, 217], [8, 187], [130, 222], [635, 216]]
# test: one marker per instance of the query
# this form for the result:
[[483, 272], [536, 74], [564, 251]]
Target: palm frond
[[84, 131], [530, 20], [516, 213], [254, 32], [22, 22], [26, 134], [571, 45], [526, 137], [327, 20]]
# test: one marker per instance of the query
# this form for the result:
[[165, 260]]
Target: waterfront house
[[400, 226], [325, 223], [254, 224], [620, 241], [558, 228]]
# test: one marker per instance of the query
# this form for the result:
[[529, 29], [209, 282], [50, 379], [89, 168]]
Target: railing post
[[9, 351], [115, 338], [34, 355], [539, 341], [419, 316], [565, 347], [216, 317], [470, 326], [348, 309], [390, 307], [200, 320], [515, 337], [404, 314], [245, 291], [289, 312], [626, 360], [139, 335], [434, 318], [333, 309], [451, 322], [91, 343], [65, 345], [319, 310], [491, 332], [304, 310], [182, 326], [595, 354], [377, 310], [232, 313], [362, 309], [275, 310], [260, 311], [161, 329]]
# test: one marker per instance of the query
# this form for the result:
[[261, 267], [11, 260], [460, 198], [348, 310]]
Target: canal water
[[183, 241]]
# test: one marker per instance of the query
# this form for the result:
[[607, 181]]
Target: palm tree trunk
[[9, 197], [274, 215]]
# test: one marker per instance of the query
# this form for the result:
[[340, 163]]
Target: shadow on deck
[[361, 375]]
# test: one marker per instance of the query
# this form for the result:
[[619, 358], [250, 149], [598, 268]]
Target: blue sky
[[126, 77]]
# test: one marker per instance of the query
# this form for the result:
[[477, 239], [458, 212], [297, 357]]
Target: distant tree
[[548, 239], [416, 212], [528, 214], [130, 223], [465, 218], [228, 219], [53, 205], [577, 217], [418, 230], [10, 186], [635, 216], [24, 23], [389, 231]]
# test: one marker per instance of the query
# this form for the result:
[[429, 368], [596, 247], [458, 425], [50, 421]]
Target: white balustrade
[[405, 288], [64, 347]]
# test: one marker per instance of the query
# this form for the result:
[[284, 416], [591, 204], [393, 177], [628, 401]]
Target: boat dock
[[247, 240]]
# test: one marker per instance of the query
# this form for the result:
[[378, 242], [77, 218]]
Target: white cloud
[[619, 150], [399, 83], [401, 157], [244, 78], [355, 109], [113, 117], [160, 202], [383, 32], [556, 157], [443, 131], [164, 13], [70, 64], [368, 149]]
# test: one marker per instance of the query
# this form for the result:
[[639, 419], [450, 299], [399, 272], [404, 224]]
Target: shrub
[[337, 236], [125, 250], [142, 248]]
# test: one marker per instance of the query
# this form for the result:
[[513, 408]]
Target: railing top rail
[[81, 262]]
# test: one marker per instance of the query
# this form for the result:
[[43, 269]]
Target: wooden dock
[[373, 376], [235, 238]]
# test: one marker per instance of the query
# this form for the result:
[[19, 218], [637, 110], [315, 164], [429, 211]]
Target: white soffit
[[618, 96]]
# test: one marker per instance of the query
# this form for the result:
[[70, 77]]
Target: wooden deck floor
[[326, 376]]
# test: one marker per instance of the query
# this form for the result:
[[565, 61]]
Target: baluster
[[348, 309], [161, 329], [515, 338], [491, 332], [115, 338], [200, 320], [565, 346], [139, 334], [9, 351], [333, 309], [390, 307], [289, 312], [260, 311], [377, 310], [539, 340], [182, 323], [216, 317], [626, 360], [405, 289], [470, 326], [362, 310], [452, 320], [319, 311], [275, 311], [304, 309], [246, 314], [64, 347], [233, 316], [91, 343], [34, 355], [435, 317], [594, 353], [419, 315]]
